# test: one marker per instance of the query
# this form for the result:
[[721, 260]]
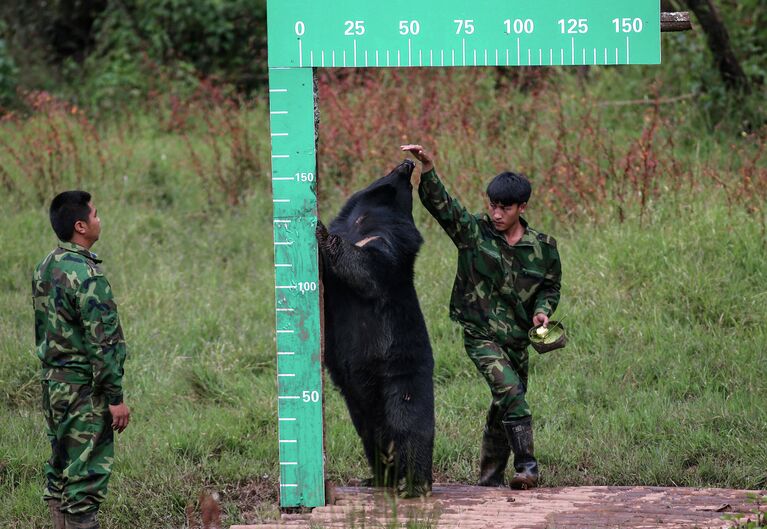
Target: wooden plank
[[564, 507]]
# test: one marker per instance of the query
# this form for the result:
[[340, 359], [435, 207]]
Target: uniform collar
[[527, 239], [76, 248]]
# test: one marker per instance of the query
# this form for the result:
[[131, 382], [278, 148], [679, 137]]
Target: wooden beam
[[678, 21]]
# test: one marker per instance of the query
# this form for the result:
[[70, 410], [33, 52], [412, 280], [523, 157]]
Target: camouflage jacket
[[77, 330], [498, 288]]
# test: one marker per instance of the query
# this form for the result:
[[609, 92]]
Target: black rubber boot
[[493, 457], [54, 506], [520, 436], [86, 520]]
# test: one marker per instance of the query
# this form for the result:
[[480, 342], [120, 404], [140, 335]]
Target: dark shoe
[[54, 506], [493, 458], [86, 520], [520, 436]]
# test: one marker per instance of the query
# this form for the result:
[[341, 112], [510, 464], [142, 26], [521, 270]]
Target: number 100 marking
[[519, 26]]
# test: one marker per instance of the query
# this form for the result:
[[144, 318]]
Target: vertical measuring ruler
[[308, 34], [299, 375]]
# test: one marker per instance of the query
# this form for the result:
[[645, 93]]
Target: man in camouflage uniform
[[80, 344], [507, 281]]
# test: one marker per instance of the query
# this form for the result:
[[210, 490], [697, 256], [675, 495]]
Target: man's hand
[[540, 319], [420, 155], [120, 416]]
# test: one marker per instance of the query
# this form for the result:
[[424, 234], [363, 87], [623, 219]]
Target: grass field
[[663, 381]]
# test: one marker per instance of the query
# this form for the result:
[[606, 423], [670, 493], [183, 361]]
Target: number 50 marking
[[310, 396], [409, 27]]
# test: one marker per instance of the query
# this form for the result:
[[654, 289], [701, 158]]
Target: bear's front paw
[[321, 232]]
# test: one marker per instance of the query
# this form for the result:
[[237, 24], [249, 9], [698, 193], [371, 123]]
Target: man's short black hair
[[66, 209], [509, 188]]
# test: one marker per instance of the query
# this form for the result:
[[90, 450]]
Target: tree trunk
[[719, 43]]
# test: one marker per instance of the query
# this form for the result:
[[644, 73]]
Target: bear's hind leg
[[364, 420], [409, 411]]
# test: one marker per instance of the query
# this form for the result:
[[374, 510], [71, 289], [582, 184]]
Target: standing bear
[[377, 349]]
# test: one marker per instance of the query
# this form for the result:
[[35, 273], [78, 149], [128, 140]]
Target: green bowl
[[554, 337]]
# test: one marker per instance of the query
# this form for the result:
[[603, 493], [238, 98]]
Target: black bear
[[377, 349]]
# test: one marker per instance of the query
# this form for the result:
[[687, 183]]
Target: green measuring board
[[397, 33], [307, 34], [299, 375]]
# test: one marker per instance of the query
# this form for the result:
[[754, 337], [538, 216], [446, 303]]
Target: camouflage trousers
[[82, 446], [505, 371]]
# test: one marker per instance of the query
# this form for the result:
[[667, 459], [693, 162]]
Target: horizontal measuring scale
[[350, 33], [299, 377]]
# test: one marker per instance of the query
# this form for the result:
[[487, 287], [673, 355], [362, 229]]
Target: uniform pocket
[[528, 283]]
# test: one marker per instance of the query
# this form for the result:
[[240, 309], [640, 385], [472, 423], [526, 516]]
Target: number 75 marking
[[464, 26]]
